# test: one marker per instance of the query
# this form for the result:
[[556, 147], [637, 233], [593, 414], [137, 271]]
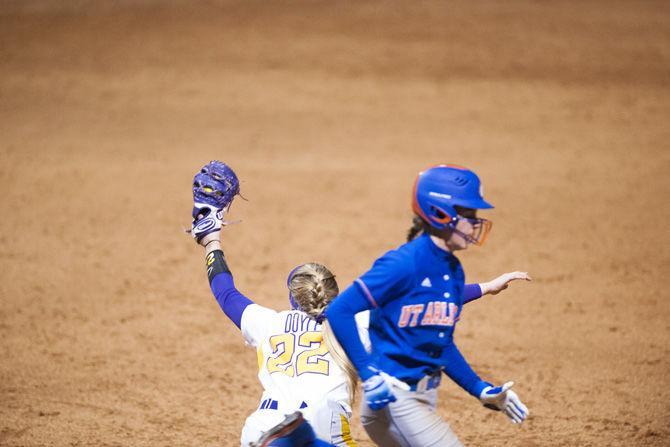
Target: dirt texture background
[[327, 110]]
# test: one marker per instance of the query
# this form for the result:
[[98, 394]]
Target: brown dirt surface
[[327, 110]]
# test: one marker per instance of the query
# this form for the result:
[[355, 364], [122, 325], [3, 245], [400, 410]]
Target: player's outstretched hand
[[497, 285], [378, 390], [502, 398], [207, 219]]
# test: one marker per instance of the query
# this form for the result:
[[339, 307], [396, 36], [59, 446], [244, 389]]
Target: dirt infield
[[109, 334]]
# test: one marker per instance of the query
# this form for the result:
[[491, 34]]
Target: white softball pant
[[330, 421], [411, 421]]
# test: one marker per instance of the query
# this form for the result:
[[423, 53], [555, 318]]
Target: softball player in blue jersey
[[415, 295]]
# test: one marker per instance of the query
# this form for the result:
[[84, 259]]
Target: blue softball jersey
[[415, 295]]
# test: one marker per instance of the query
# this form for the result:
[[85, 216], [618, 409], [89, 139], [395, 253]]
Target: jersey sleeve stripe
[[367, 293], [260, 357]]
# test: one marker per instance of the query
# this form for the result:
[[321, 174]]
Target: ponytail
[[419, 226], [340, 357]]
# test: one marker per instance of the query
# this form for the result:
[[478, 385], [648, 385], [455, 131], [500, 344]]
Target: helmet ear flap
[[442, 217]]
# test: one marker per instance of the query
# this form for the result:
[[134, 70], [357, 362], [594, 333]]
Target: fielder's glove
[[214, 189], [378, 390], [501, 398]]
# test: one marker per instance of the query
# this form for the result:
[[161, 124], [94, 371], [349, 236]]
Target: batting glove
[[207, 219], [501, 398], [378, 390]]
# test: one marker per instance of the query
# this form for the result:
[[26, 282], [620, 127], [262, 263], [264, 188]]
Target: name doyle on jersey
[[299, 322], [437, 313]]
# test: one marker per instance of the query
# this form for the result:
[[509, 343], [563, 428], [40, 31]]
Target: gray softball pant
[[411, 421]]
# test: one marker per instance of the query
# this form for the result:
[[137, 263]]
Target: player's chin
[[461, 244]]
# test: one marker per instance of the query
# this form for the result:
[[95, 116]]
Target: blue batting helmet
[[439, 189]]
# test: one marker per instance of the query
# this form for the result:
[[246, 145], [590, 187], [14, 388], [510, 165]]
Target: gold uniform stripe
[[259, 355], [346, 432]]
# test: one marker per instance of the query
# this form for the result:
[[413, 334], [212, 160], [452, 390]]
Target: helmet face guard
[[439, 190], [480, 230]]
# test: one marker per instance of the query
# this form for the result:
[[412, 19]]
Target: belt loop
[[422, 385], [428, 382]]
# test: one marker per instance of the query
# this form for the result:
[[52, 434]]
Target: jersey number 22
[[308, 361]]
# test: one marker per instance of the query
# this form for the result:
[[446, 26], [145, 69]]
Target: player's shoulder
[[400, 253], [258, 312], [256, 322], [400, 259]]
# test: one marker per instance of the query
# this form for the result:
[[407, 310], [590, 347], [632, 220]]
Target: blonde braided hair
[[313, 286]]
